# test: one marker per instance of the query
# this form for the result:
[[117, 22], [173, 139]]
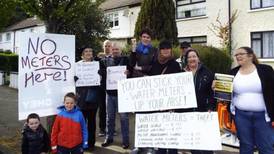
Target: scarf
[[143, 49]]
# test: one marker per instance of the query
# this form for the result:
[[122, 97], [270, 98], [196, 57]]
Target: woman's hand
[[133, 42], [213, 84]]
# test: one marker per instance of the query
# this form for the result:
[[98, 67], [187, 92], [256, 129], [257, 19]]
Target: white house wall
[[199, 26], [8, 45]]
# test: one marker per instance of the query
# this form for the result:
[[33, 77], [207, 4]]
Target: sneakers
[[102, 133], [106, 143]]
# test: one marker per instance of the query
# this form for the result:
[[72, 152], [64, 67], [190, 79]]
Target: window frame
[[113, 15], [261, 5], [192, 38], [8, 37], [1, 38], [190, 3], [261, 56]]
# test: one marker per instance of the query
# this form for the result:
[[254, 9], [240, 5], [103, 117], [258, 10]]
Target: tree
[[81, 18], [7, 8], [159, 16]]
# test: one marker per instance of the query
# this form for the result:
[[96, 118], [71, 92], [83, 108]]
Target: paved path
[[10, 129]]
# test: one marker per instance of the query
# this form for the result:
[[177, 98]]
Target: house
[[8, 38], [195, 19], [122, 16]]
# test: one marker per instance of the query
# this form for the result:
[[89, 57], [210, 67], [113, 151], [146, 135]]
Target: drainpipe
[[13, 48], [230, 27]]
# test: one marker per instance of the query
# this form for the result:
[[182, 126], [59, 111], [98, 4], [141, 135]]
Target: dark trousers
[[90, 117], [167, 151], [102, 110], [75, 150]]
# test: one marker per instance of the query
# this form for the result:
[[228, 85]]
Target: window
[[190, 8], [194, 40], [257, 4], [1, 38], [263, 44], [8, 37], [31, 30], [113, 19]]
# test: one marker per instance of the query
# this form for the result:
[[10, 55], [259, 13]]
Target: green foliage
[[8, 62], [218, 61], [159, 16], [7, 10], [82, 18]]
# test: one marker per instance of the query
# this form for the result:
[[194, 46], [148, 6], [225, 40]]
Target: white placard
[[160, 92], [46, 70], [192, 130], [115, 74], [87, 73]]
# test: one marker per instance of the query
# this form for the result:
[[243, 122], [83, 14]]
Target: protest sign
[[160, 92], [87, 73], [46, 70], [191, 130], [223, 86], [115, 74]]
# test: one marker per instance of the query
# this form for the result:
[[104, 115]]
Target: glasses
[[240, 54]]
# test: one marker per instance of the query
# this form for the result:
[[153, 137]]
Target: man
[[184, 46], [112, 103]]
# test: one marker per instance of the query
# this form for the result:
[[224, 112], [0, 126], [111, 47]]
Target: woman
[[203, 79], [165, 64], [253, 102], [88, 101]]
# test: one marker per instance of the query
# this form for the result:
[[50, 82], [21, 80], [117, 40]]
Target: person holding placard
[[142, 55], [165, 64], [87, 101], [253, 102], [102, 57], [203, 79], [112, 100]]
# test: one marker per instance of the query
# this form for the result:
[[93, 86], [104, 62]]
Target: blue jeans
[[75, 150], [252, 129], [112, 108]]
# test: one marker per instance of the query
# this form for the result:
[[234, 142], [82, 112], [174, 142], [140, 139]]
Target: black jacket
[[35, 142], [203, 79], [104, 63], [169, 67], [143, 60], [266, 75]]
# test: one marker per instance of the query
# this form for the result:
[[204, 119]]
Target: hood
[[62, 108]]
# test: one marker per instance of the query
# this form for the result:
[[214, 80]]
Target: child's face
[[33, 123], [69, 103]]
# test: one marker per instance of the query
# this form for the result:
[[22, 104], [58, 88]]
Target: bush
[[218, 61], [8, 62]]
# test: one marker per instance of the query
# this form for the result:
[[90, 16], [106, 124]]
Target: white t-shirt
[[247, 92]]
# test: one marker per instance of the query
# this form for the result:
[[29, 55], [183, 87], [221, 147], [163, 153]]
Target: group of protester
[[75, 126]]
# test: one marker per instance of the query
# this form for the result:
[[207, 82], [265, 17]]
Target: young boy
[[35, 138], [69, 132]]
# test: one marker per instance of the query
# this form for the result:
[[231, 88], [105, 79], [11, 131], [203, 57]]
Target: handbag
[[91, 96]]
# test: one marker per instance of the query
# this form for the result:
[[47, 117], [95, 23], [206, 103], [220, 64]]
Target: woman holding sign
[[88, 101], [165, 64], [253, 102], [203, 79]]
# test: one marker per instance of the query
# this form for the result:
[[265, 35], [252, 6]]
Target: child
[[35, 138], [69, 132]]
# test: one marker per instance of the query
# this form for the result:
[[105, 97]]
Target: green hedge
[[8, 62], [217, 60]]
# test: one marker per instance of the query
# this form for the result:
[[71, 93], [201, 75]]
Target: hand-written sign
[[46, 69], [87, 73], [161, 92], [192, 130], [115, 74]]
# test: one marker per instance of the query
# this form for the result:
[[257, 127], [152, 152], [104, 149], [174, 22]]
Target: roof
[[29, 22], [113, 4]]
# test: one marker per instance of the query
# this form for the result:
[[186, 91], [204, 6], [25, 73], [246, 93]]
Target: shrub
[[218, 61], [8, 62]]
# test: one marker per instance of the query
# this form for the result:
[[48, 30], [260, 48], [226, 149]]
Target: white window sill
[[115, 28], [192, 18], [266, 59], [261, 9]]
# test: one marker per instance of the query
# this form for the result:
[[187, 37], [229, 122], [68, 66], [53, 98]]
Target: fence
[[14, 80]]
